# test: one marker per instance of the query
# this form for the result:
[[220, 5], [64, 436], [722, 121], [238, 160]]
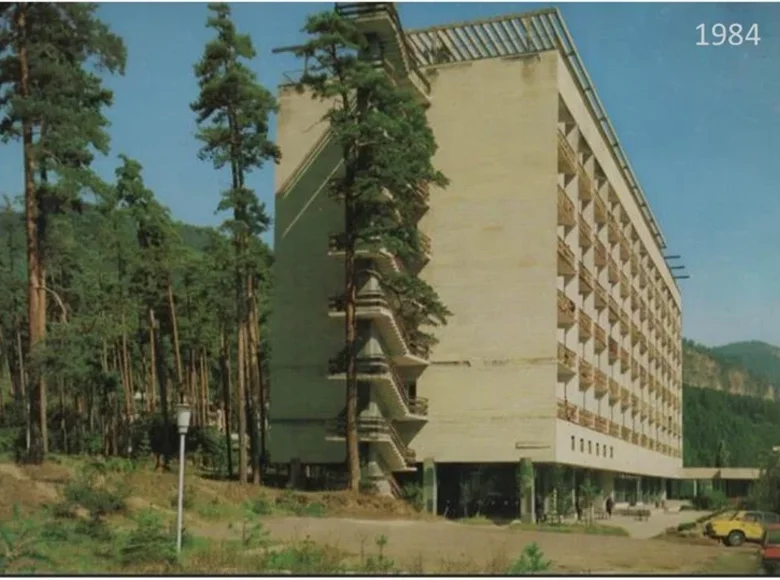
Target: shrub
[[531, 561], [17, 545], [710, 499], [97, 492], [378, 564], [261, 506], [148, 543], [304, 558], [413, 494]]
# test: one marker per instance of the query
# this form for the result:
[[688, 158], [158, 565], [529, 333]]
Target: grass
[[735, 563], [590, 529]]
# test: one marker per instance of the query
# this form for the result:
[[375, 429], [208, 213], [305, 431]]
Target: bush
[[304, 558], [17, 540], [413, 494], [531, 561], [261, 506], [710, 499], [148, 543], [97, 491]]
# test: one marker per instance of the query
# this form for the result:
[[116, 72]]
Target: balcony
[[599, 211], [567, 411], [642, 377], [602, 425], [635, 438], [651, 324], [586, 375], [634, 369], [613, 272], [651, 384], [614, 350], [586, 326], [600, 258], [643, 440], [625, 324], [625, 250], [635, 332], [586, 234], [644, 410], [652, 354], [634, 264], [377, 430], [634, 300], [587, 281], [635, 406], [374, 305], [625, 360], [567, 363], [614, 429], [625, 398], [599, 338], [625, 434], [380, 371], [587, 418], [613, 230], [614, 391], [614, 310], [601, 299], [386, 261], [600, 383], [567, 311], [567, 158], [586, 185], [651, 417], [642, 279], [567, 216], [642, 344], [567, 265], [625, 287]]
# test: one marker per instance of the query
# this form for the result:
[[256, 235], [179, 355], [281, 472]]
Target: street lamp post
[[183, 414]]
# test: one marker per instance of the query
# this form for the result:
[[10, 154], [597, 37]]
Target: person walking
[[610, 504]]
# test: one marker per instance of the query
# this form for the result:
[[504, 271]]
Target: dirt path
[[448, 546]]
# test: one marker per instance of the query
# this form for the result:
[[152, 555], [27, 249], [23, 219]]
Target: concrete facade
[[564, 345]]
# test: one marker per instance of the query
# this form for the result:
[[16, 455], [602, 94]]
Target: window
[[590, 447], [611, 452], [582, 445], [598, 449], [752, 517], [573, 446], [605, 450]]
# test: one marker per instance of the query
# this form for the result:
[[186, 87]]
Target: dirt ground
[[416, 543]]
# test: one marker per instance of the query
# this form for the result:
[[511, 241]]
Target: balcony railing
[[644, 409], [600, 300], [634, 300], [625, 434], [587, 281], [625, 360], [567, 265], [613, 272], [614, 350], [372, 428], [625, 286], [643, 440], [651, 416], [336, 245], [634, 369], [642, 377], [567, 158], [634, 404], [614, 310], [614, 429], [567, 361], [634, 264], [599, 338], [625, 324], [567, 411], [586, 233], [625, 250], [635, 438], [599, 254], [382, 366], [625, 398], [566, 214], [613, 230], [614, 391], [567, 311], [599, 211], [586, 326], [642, 279], [586, 185], [376, 299], [642, 344], [587, 419], [651, 324], [602, 425], [635, 332], [586, 375], [600, 382]]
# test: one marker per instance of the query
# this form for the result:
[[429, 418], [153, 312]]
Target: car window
[[751, 517], [770, 518]]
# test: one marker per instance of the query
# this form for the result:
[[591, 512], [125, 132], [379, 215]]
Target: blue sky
[[701, 126]]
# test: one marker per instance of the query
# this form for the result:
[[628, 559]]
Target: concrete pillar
[[525, 482], [430, 485], [695, 488], [639, 497]]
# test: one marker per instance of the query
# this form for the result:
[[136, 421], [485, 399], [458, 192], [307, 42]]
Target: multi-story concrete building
[[564, 346]]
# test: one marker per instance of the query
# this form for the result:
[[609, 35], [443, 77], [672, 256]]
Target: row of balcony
[[381, 431], [569, 365], [572, 413], [379, 370], [386, 259]]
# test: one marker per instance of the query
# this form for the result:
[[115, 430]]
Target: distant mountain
[[745, 368]]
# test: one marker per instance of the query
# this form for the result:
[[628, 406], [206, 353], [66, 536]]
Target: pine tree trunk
[[241, 403], [254, 374], [37, 406], [175, 328], [224, 363], [128, 372], [260, 394], [192, 388], [204, 386], [350, 295], [152, 364]]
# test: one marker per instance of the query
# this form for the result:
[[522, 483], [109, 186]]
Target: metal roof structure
[[525, 34]]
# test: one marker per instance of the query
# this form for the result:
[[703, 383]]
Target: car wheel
[[736, 538]]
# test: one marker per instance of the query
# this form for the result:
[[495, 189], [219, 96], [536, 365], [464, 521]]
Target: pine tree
[[52, 101], [386, 146], [232, 114]]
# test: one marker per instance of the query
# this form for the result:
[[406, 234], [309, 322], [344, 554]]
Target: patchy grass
[[590, 529], [735, 563]]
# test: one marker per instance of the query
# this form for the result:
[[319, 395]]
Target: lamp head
[[183, 414]]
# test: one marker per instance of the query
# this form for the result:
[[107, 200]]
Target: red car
[[770, 548]]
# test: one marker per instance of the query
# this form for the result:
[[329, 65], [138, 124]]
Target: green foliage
[[304, 558], [261, 506], [148, 542], [98, 491], [720, 426], [710, 499], [17, 545], [299, 505], [560, 479], [413, 494], [378, 563], [531, 561], [765, 493]]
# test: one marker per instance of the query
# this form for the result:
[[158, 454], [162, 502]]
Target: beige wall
[[494, 262]]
